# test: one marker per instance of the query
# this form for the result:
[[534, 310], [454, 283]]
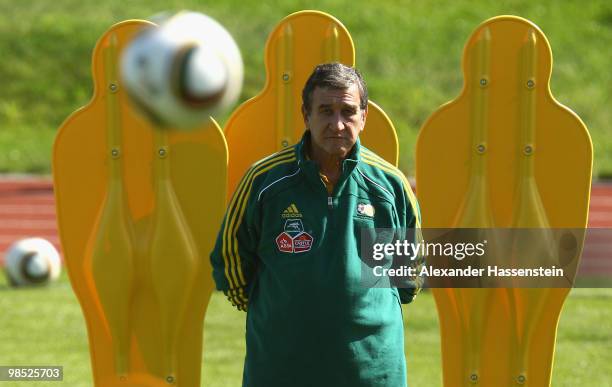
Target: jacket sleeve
[[234, 260], [410, 226]]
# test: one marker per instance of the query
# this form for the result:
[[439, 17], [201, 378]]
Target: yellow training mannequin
[[503, 154], [138, 212]]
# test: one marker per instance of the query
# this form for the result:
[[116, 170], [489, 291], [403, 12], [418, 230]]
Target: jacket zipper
[[330, 202]]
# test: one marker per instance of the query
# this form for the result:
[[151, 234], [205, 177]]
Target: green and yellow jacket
[[289, 253]]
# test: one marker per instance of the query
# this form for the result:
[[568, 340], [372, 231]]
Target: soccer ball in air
[[32, 261], [182, 71]]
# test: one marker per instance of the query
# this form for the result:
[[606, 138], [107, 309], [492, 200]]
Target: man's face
[[335, 119]]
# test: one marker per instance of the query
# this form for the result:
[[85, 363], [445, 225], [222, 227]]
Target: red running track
[[27, 209]]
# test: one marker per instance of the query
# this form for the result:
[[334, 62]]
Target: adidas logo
[[291, 212]]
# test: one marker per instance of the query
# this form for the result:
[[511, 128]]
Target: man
[[289, 250]]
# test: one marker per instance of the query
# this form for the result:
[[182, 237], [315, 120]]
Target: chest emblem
[[294, 239], [365, 209]]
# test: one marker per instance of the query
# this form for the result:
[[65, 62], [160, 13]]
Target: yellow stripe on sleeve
[[236, 202], [370, 158], [241, 211]]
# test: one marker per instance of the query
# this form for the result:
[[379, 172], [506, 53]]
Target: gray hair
[[335, 76]]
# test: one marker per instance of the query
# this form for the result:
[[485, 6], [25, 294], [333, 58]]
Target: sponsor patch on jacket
[[284, 243], [302, 242], [294, 226], [294, 239], [365, 209]]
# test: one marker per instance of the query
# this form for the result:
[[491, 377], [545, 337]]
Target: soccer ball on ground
[[32, 261], [183, 71]]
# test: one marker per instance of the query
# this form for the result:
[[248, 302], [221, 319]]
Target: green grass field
[[45, 327], [408, 50]]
